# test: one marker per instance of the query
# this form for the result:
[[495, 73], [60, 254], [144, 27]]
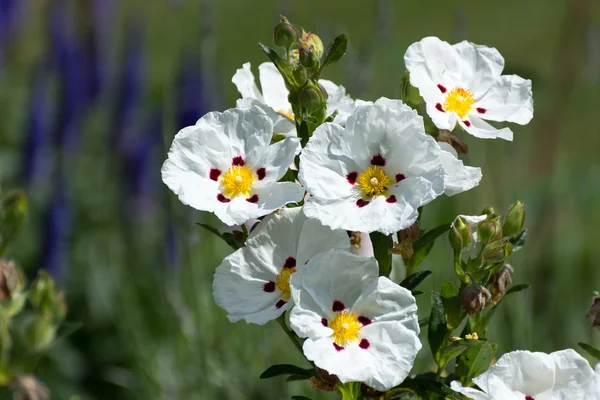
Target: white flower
[[226, 165], [374, 174], [523, 375], [463, 83], [253, 283], [359, 327], [274, 97], [457, 176]]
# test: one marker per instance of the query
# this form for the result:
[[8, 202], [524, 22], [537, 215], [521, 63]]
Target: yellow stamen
[[237, 181], [286, 113], [472, 336], [373, 181], [346, 328], [283, 282], [459, 101]]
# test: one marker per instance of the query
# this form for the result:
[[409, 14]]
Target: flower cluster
[[317, 167]]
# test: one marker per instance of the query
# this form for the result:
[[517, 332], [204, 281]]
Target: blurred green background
[[93, 91]]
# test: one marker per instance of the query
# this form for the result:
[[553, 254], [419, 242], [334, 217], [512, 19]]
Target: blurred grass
[[138, 271]]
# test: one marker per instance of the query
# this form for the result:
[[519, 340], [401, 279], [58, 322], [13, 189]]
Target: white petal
[[433, 62], [338, 100], [238, 288], [277, 159], [366, 246], [469, 392], [509, 99], [385, 300], [481, 66], [327, 277], [316, 238], [481, 129], [573, 374], [441, 119], [458, 177], [281, 124], [273, 87], [326, 160], [523, 371], [277, 195], [249, 131], [244, 81]]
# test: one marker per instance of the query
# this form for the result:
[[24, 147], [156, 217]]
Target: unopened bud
[[40, 333], [409, 94], [499, 282], [460, 234], [11, 280], [28, 387], [285, 35], [42, 291], [308, 58], [309, 41], [514, 219], [300, 75], [490, 212], [474, 298], [496, 251], [488, 230], [594, 312], [311, 98]]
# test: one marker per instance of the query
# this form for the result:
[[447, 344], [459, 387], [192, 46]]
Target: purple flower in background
[[58, 226], [191, 101]]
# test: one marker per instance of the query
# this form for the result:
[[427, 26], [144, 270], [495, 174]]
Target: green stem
[[382, 244], [289, 333]]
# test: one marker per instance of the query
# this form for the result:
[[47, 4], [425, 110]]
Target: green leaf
[[454, 350], [592, 351], [350, 391], [519, 241], [437, 326], [226, 236], [516, 289], [414, 280], [475, 360], [485, 320], [286, 369], [335, 51], [427, 387], [418, 257], [331, 117], [300, 398], [430, 236], [381, 249], [416, 293]]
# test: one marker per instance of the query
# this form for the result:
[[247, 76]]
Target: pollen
[[286, 113], [373, 181], [237, 181], [459, 101], [283, 282], [346, 328]]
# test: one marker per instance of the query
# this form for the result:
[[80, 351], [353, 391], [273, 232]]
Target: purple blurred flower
[[58, 226], [191, 99]]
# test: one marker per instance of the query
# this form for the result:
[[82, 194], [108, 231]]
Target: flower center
[[286, 113], [373, 181], [459, 101], [283, 282], [346, 328], [237, 181]]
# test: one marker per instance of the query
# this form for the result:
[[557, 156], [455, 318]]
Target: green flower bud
[[311, 40], [324, 93], [300, 75], [285, 35], [460, 234], [311, 98], [308, 58], [474, 298], [488, 230], [496, 251], [490, 212], [42, 292], [514, 219], [12, 281], [409, 94], [40, 333]]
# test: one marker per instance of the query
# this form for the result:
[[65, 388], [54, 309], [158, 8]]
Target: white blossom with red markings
[[523, 375], [274, 97], [358, 326], [457, 176], [253, 283], [375, 173], [225, 164], [462, 84]]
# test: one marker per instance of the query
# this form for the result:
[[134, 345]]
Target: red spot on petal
[[361, 203], [338, 348], [222, 198], [481, 110], [364, 320], [269, 287], [351, 177], [439, 107], [400, 177], [253, 199], [338, 306], [261, 172], [280, 304], [442, 88], [364, 344], [467, 123], [529, 398], [392, 199], [378, 160], [238, 160], [324, 321], [214, 174], [290, 262]]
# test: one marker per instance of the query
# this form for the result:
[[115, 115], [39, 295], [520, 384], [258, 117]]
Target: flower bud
[[309, 41], [500, 281], [594, 312], [490, 212], [308, 58], [488, 229], [408, 93], [300, 75], [311, 98], [496, 251], [42, 291], [40, 333], [11, 280], [285, 35], [460, 234], [27, 387], [514, 219], [474, 298]]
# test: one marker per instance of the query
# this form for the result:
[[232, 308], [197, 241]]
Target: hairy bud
[[474, 298], [460, 234], [514, 220], [308, 58], [11, 279], [285, 35], [311, 98], [594, 312], [489, 229], [500, 281], [309, 41]]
